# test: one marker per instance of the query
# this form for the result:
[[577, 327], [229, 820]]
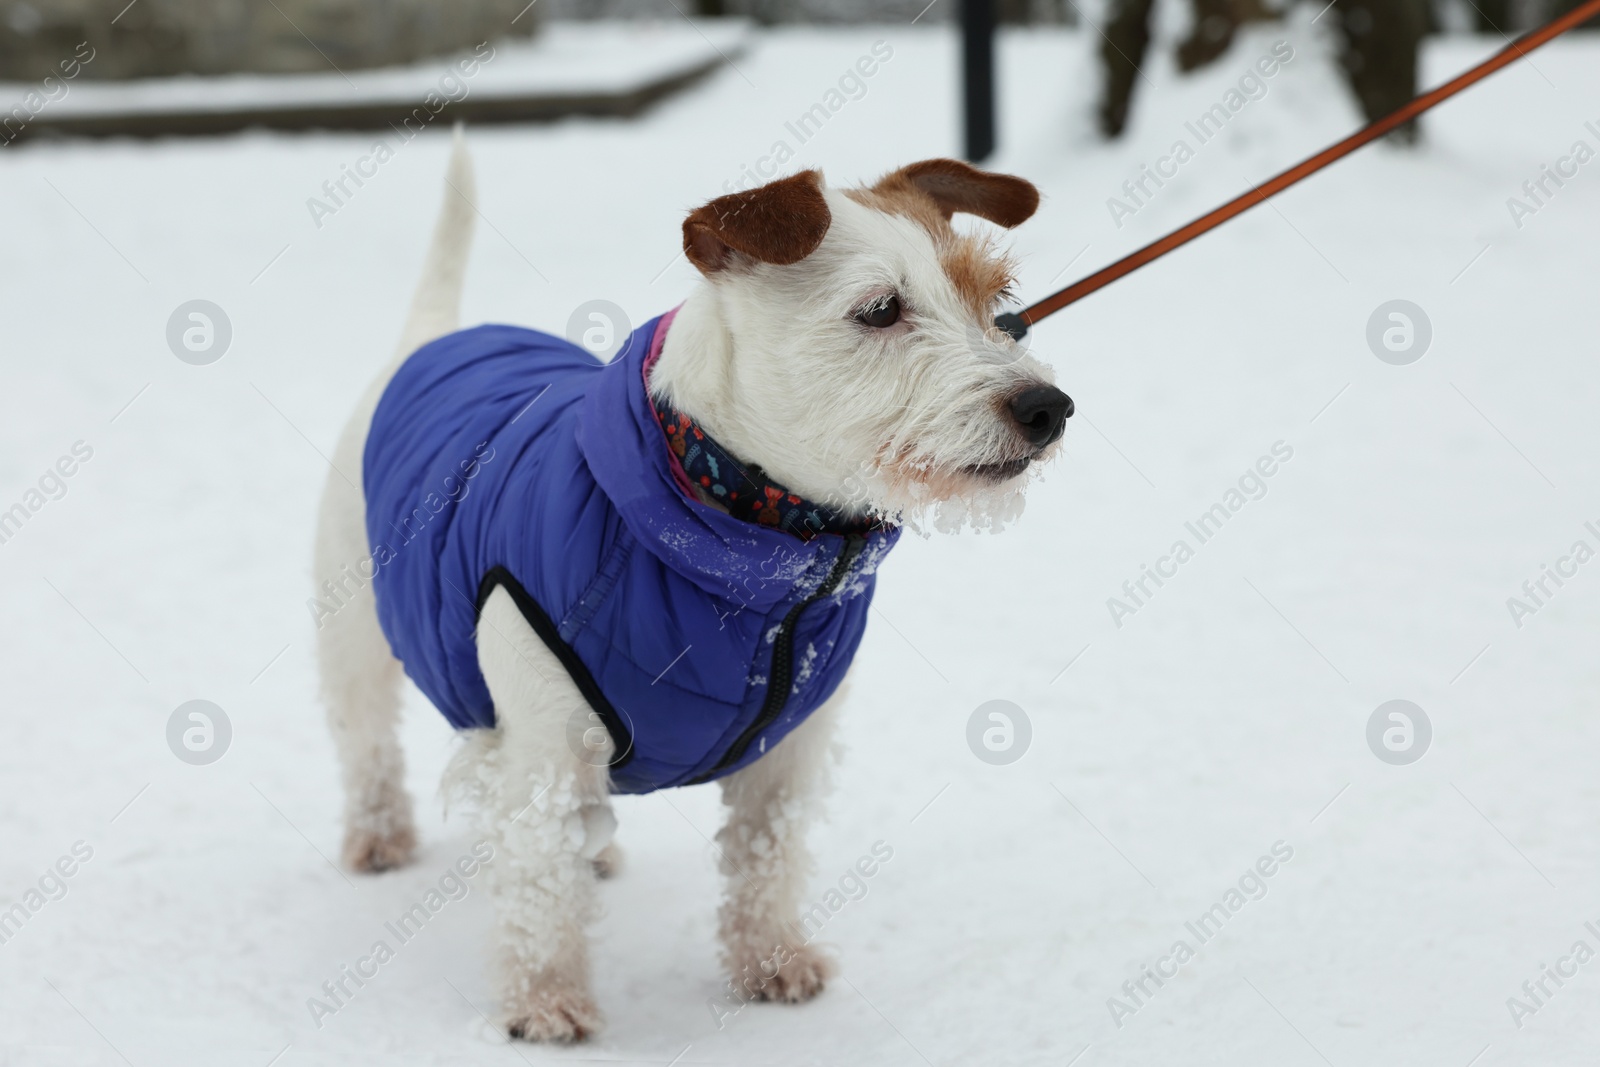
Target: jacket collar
[[627, 450]]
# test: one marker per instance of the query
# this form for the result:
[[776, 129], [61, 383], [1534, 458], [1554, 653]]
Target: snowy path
[[1226, 715], [568, 69]]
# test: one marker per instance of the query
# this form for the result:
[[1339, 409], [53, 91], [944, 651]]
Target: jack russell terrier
[[616, 577]]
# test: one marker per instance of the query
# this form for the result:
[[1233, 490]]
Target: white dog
[[840, 344]]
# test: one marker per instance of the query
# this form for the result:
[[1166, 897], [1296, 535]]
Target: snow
[[563, 60], [1168, 755]]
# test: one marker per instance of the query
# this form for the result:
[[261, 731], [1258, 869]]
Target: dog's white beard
[[921, 507], [988, 510]]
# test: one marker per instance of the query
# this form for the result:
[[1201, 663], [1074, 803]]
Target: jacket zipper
[[781, 674]]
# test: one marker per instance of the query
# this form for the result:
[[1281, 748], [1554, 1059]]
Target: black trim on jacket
[[536, 617]]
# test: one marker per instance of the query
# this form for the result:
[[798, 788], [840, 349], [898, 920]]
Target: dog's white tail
[[436, 305]]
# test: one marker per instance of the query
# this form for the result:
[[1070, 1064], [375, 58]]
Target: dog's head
[[848, 344]]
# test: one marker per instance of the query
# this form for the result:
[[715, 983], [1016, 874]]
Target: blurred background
[[215, 212], [1379, 40]]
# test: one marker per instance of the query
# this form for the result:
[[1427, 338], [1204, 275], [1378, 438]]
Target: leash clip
[[1013, 323]]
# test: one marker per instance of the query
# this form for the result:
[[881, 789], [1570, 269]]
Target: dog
[[536, 535]]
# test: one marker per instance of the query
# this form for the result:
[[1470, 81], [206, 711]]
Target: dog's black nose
[[1041, 413]]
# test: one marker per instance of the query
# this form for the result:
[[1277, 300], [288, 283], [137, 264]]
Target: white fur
[[547, 812], [770, 361], [762, 851], [360, 676]]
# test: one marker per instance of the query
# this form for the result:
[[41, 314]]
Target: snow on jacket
[[501, 457]]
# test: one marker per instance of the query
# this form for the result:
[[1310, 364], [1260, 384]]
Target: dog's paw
[[802, 974], [370, 851], [556, 1016], [608, 864]]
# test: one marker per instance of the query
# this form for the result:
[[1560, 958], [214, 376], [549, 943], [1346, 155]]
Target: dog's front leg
[[772, 804], [547, 811]]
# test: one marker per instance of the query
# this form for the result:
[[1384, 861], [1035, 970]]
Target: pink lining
[[656, 344]]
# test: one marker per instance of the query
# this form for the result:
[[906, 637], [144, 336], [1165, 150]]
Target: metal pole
[[977, 56]]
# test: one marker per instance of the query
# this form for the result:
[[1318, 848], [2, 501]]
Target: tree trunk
[[1492, 16], [1126, 38], [1254, 11], [1215, 22], [1563, 6], [1379, 54]]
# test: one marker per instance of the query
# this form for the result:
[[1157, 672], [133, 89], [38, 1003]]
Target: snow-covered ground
[[1226, 716]]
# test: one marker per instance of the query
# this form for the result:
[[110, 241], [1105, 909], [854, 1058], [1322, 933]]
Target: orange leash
[[1017, 323]]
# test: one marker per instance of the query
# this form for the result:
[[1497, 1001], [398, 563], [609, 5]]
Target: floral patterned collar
[[744, 490]]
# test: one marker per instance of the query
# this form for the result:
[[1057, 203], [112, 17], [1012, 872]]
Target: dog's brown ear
[[956, 186], [781, 222]]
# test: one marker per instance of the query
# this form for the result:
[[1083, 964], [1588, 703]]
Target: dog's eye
[[882, 315]]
